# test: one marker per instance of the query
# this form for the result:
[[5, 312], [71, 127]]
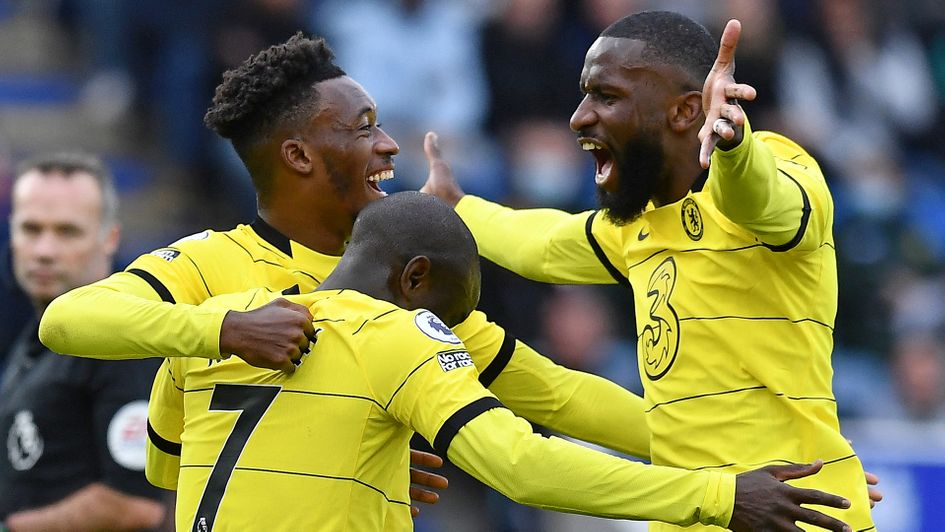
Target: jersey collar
[[272, 235]]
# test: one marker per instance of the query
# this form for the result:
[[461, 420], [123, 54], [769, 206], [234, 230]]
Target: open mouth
[[603, 158], [375, 179]]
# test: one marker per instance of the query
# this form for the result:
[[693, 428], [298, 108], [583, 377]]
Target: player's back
[[316, 450]]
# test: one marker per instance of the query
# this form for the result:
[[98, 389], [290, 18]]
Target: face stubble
[[640, 168]]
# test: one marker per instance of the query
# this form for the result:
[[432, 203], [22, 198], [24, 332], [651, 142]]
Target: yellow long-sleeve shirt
[[151, 309], [326, 448], [735, 294]]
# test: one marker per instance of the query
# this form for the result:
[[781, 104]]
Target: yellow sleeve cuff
[[719, 502]]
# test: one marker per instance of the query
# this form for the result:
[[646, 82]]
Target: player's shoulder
[[384, 321], [781, 146], [235, 243]]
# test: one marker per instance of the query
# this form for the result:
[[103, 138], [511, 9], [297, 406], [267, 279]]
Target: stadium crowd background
[[859, 83]]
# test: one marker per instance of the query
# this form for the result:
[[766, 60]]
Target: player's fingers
[[871, 478], [809, 496], [424, 496], [308, 329], [424, 459], [740, 91], [288, 365], [726, 57], [414, 511], [875, 495], [793, 471], [732, 113], [305, 345], [708, 145], [724, 128], [430, 480], [813, 517], [431, 146]]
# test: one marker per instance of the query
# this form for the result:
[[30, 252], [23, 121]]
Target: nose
[[385, 144], [583, 116], [45, 246]]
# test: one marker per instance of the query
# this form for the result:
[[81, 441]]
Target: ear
[[112, 237], [415, 276], [297, 155], [686, 111]]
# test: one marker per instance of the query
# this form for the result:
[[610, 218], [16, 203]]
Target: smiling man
[[309, 136], [735, 285]]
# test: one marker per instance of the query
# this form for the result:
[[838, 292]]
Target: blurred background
[[859, 83]]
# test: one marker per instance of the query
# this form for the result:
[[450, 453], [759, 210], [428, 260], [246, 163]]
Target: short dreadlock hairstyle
[[270, 89], [671, 39]]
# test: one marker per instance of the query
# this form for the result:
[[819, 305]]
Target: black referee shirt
[[66, 422]]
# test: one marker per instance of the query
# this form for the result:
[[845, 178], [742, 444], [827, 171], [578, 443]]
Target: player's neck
[[324, 236], [347, 275], [682, 173]]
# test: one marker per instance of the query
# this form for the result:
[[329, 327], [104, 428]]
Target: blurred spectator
[[546, 167], [530, 74], [919, 372], [578, 332], [75, 428], [848, 80]]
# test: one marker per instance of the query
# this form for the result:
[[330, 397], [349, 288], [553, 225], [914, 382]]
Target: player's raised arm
[[720, 95]]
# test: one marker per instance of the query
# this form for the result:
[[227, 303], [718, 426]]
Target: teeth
[[589, 146], [381, 176]]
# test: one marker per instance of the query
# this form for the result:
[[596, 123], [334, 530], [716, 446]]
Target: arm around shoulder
[[578, 404], [503, 452], [123, 317], [546, 245]]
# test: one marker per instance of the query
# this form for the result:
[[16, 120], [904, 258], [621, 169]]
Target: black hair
[[69, 163], [389, 230], [272, 88], [671, 39]]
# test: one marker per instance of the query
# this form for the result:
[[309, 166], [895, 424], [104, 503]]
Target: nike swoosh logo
[[642, 235]]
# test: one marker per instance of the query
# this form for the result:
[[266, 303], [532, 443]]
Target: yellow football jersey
[[251, 256], [734, 334], [327, 447]]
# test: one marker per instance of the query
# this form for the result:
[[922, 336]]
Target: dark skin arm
[[761, 504], [273, 336]]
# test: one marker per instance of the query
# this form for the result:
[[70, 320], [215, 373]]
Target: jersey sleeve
[[124, 316], [503, 452], [545, 245], [119, 413], [173, 274], [574, 403], [770, 186], [165, 426], [426, 379]]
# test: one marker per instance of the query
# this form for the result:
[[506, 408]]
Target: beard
[[640, 167]]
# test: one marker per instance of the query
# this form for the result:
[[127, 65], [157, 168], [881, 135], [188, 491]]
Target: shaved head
[[392, 232]]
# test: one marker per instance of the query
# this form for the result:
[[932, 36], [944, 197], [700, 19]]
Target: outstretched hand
[[440, 182], [764, 502], [425, 479], [273, 336], [724, 118]]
